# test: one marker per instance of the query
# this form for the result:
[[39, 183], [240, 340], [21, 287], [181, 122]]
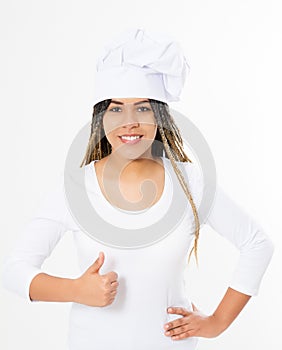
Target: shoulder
[[53, 205], [191, 169], [193, 176]]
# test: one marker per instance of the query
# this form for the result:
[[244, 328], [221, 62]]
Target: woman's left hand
[[192, 324]]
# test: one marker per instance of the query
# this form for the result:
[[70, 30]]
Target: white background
[[233, 95]]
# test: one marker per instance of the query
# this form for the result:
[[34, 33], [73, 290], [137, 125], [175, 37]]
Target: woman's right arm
[[36, 242], [45, 287], [90, 289], [22, 272]]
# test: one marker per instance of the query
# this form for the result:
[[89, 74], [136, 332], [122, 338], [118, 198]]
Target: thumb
[[194, 307], [95, 267]]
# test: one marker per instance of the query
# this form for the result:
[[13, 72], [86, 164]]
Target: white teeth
[[130, 137]]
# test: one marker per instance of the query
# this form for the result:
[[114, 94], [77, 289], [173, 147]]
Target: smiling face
[[130, 127]]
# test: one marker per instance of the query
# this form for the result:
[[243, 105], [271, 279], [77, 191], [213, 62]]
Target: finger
[[183, 335], [114, 284], [95, 267], [113, 287], [184, 331], [179, 331], [112, 276], [182, 321], [111, 301], [191, 332], [178, 310]]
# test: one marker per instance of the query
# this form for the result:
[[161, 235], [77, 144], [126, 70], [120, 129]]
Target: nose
[[129, 128], [130, 125], [130, 119]]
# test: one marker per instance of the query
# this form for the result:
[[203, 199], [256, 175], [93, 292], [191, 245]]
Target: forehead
[[130, 100]]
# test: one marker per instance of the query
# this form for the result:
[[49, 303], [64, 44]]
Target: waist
[[127, 323]]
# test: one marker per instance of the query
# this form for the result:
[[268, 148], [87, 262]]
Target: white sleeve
[[36, 242], [232, 222]]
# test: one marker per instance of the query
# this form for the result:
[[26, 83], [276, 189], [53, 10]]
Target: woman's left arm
[[232, 222], [196, 324], [229, 308], [235, 224]]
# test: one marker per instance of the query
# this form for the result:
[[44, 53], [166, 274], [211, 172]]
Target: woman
[[138, 301]]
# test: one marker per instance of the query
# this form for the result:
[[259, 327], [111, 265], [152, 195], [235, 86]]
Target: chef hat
[[140, 64]]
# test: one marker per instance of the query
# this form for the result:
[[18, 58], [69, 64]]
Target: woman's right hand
[[93, 289]]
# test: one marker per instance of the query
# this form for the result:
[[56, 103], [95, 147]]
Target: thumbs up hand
[[94, 289]]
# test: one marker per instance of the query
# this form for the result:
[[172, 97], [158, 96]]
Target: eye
[[115, 109], [143, 109]]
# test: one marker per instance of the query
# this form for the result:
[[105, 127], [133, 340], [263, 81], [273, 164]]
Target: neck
[[119, 164]]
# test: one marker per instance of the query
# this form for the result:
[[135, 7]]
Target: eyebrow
[[135, 104]]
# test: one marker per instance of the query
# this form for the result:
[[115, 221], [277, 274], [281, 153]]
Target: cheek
[[110, 125], [109, 129], [151, 131]]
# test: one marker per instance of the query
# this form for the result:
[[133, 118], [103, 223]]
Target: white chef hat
[[139, 63]]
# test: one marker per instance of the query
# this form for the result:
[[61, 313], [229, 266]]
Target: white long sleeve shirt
[[147, 286]]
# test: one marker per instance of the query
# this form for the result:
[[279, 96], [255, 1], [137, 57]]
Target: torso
[[131, 196]]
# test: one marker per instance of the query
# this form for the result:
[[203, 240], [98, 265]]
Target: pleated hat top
[[140, 64]]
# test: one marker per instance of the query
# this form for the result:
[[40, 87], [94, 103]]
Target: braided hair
[[170, 143]]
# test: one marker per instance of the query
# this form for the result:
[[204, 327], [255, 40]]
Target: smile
[[130, 139]]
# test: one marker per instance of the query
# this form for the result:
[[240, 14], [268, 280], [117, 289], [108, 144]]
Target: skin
[[93, 288], [129, 167], [196, 324], [190, 323], [139, 175], [129, 116]]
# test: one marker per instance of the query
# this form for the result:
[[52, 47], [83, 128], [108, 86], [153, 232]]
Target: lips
[[130, 135], [130, 138]]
